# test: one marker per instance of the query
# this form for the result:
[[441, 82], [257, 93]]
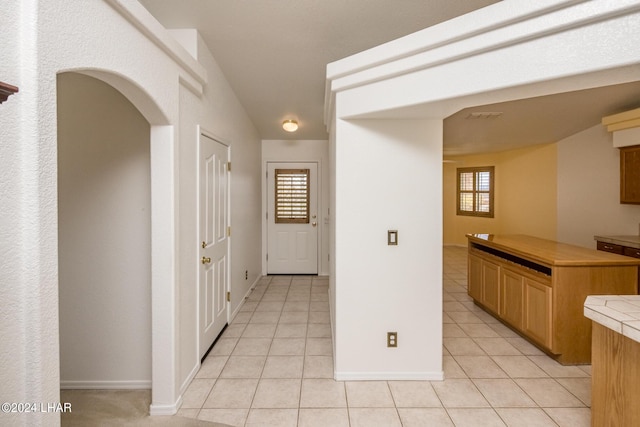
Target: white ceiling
[[274, 54], [539, 120]]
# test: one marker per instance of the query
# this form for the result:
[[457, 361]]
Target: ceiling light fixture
[[290, 125]]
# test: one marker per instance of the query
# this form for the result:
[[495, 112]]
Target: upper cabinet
[[630, 174], [6, 90], [626, 136]]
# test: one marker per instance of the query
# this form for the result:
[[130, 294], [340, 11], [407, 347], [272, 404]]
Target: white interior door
[[213, 261], [292, 218]]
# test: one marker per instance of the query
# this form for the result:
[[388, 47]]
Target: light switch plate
[[392, 237]]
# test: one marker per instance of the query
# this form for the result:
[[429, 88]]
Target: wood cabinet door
[[630, 174], [491, 286], [512, 297], [474, 278], [537, 312]]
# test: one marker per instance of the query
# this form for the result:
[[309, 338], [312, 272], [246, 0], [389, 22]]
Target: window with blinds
[[292, 196], [475, 191]]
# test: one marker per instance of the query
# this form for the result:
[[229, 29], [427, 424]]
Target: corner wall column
[[388, 176], [163, 273]]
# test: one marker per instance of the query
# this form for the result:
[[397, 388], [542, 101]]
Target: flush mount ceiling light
[[290, 125]]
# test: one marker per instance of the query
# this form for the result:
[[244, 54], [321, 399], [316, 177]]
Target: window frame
[[278, 219], [475, 212]]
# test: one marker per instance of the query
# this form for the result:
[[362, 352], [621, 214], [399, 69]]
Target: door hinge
[[228, 166], [267, 257], [267, 215], [229, 231], [228, 296]]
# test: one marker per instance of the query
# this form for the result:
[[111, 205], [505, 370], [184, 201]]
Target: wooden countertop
[[549, 252]]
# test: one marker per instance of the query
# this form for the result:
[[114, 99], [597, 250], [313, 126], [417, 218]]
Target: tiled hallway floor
[[273, 366]]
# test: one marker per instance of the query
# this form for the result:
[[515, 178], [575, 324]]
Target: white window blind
[[292, 195]]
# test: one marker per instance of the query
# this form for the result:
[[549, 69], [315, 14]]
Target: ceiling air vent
[[484, 115]]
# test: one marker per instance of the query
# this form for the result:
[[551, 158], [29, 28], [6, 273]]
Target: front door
[[292, 231], [213, 260]]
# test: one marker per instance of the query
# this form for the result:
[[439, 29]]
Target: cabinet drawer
[[632, 252], [610, 247]]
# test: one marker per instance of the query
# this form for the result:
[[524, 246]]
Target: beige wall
[[589, 189], [525, 194]]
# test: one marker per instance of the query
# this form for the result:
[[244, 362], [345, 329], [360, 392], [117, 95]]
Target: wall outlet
[[392, 339]]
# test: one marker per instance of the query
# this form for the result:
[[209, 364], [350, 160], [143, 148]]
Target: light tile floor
[[273, 366]]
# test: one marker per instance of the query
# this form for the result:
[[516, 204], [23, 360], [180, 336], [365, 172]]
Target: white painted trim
[[165, 409], [163, 266], [141, 19], [106, 385], [626, 137], [189, 378], [452, 31], [332, 324], [251, 288], [389, 376], [492, 28]]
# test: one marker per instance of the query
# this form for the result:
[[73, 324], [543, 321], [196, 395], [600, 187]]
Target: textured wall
[[48, 40]]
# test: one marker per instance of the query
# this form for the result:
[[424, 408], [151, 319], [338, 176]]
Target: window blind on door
[[292, 195]]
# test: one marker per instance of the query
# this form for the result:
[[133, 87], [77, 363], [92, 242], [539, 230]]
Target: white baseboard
[[251, 288], [165, 409], [190, 377], [389, 376], [106, 385]]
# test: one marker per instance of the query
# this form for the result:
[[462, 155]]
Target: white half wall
[[589, 189], [388, 177], [301, 151], [104, 240]]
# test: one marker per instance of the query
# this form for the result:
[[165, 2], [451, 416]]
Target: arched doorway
[[114, 151], [104, 245]]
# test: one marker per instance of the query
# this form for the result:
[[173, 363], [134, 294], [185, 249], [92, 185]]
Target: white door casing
[[213, 261], [292, 247]]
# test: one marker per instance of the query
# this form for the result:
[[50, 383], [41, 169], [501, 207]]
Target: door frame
[[265, 208], [203, 132]]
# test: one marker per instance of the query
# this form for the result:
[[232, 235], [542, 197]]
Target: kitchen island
[[538, 288], [615, 369]]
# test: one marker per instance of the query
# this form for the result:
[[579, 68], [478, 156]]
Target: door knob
[[314, 224], [206, 260]]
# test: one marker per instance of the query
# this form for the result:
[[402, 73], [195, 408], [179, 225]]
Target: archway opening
[[104, 245]]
